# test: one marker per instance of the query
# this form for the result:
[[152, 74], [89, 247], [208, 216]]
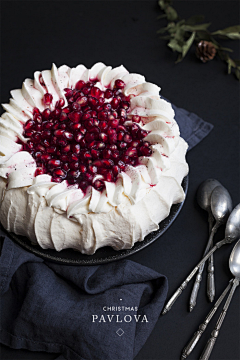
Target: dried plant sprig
[[181, 34]]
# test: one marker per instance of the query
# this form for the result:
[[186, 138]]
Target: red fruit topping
[[85, 135], [80, 84], [47, 99], [98, 185], [119, 84]]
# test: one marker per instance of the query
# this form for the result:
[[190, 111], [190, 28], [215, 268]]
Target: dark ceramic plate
[[102, 255]]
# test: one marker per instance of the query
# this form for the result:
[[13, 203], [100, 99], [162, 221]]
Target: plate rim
[[120, 254]]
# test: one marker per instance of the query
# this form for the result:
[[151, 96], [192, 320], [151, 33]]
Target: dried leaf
[[171, 13], [161, 16], [198, 27], [188, 44], [174, 45], [232, 32]]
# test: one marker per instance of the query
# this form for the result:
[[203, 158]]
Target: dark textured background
[[36, 33]]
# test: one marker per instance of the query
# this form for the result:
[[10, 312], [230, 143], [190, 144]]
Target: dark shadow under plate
[[102, 255]]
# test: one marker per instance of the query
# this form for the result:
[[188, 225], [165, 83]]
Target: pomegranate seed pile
[[86, 136]]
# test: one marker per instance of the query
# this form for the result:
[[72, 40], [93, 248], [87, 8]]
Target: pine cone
[[205, 50]]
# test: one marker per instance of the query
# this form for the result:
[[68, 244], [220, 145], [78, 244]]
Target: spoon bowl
[[234, 260], [204, 193], [221, 204], [232, 231]]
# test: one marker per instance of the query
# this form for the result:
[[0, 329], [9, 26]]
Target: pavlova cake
[[88, 158]]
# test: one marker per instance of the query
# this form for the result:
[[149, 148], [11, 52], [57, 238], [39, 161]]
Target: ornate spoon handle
[[210, 278], [193, 342], [210, 344], [196, 286], [184, 284]]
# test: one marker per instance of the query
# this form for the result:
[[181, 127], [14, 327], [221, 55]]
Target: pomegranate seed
[[66, 149], [95, 153], [82, 100], [127, 138], [73, 157], [142, 134], [74, 165], [39, 171], [82, 168], [51, 149], [36, 111], [74, 174], [136, 118], [115, 103], [29, 125], [66, 110], [122, 145], [92, 101], [68, 92], [120, 135], [107, 153], [108, 176], [78, 136], [145, 151], [107, 107], [83, 143], [103, 137], [53, 163], [92, 169], [30, 144], [101, 101], [58, 133], [36, 137], [114, 123], [75, 116], [119, 84], [47, 99], [62, 142], [95, 92], [88, 177], [116, 170], [134, 129], [115, 114], [54, 140], [121, 164], [135, 143], [46, 143], [146, 143], [113, 138], [59, 173], [65, 166], [75, 148], [60, 103], [103, 125], [38, 155], [102, 115], [76, 106], [89, 137], [115, 154], [98, 185], [122, 113], [108, 94], [68, 135], [131, 151], [80, 84], [86, 90], [46, 157]]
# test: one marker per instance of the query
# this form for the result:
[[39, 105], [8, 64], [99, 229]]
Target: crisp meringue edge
[[37, 209]]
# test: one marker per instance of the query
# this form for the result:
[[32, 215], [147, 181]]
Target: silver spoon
[[204, 201], [221, 207], [232, 233], [234, 265]]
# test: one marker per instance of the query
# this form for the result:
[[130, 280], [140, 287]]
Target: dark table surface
[[37, 33]]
